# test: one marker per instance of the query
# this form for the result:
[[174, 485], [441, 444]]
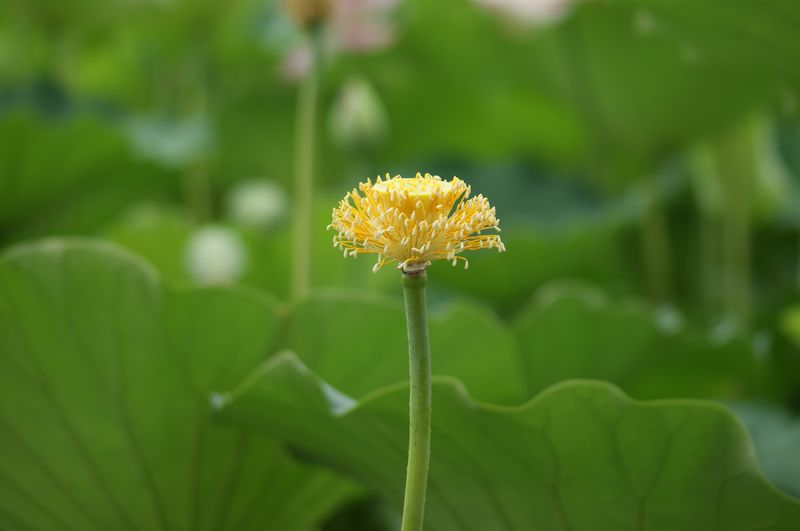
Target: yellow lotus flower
[[414, 221]]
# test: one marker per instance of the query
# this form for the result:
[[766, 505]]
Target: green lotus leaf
[[573, 331], [104, 413], [580, 456]]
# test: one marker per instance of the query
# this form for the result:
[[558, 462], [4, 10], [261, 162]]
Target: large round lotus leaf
[[580, 456], [104, 411]]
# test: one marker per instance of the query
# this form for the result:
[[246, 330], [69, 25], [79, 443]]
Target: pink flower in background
[[356, 26], [363, 25], [297, 62], [529, 12]]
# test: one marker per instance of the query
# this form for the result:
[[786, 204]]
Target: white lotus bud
[[215, 255], [358, 118], [257, 203], [529, 12]]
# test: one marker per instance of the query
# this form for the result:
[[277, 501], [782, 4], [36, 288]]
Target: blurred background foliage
[[643, 155]]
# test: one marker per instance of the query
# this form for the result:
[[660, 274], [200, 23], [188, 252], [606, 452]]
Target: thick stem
[[305, 135], [419, 436]]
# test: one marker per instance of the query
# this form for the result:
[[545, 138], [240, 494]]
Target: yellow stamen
[[414, 221]]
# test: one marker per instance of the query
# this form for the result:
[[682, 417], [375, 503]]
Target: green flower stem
[[305, 136], [419, 436]]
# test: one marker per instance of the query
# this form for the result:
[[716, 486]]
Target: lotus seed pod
[[308, 13]]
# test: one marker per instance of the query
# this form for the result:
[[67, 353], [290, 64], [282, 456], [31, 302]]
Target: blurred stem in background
[[198, 190], [21, 31], [710, 231], [707, 191], [419, 434], [581, 86], [305, 139], [721, 194], [64, 56], [655, 243], [198, 178], [737, 176], [736, 215]]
